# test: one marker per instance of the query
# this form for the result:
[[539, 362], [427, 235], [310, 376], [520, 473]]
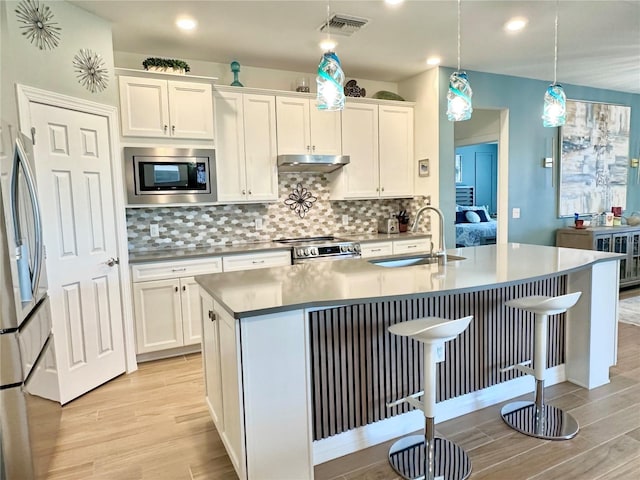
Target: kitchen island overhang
[[319, 331]]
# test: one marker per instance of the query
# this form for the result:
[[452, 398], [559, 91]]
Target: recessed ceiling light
[[328, 45], [434, 61], [393, 3], [185, 23], [515, 24]]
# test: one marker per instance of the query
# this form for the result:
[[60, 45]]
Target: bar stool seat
[[427, 456], [536, 418]]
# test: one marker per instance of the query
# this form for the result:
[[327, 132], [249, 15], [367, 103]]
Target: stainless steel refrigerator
[[28, 422]]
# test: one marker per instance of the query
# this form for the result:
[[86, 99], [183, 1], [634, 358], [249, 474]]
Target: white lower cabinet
[[376, 249], [256, 390], [223, 378], [166, 303], [414, 245], [251, 261]]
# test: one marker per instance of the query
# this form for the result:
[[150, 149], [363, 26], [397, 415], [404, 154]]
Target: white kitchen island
[[299, 365]]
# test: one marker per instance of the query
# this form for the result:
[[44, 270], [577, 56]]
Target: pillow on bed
[[461, 218], [472, 216]]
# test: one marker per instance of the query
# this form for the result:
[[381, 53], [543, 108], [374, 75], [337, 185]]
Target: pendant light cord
[[555, 48], [329, 29], [459, 34]]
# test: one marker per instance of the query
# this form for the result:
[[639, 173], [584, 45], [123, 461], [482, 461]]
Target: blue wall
[[530, 185]]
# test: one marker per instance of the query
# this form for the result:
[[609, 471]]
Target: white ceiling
[[599, 41]]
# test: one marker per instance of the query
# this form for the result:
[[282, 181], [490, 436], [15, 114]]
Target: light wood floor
[[153, 424]]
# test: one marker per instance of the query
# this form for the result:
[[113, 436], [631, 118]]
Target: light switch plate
[[258, 223], [154, 230], [548, 162], [515, 213], [345, 220]]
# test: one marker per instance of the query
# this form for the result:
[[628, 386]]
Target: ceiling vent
[[341, 24]]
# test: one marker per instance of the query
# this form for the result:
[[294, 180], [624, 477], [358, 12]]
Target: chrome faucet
[[441, 248]]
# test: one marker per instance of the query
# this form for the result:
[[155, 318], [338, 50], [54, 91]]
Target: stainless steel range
[[311, 249]]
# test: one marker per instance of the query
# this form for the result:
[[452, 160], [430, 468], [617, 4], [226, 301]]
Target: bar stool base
[[549, 422], [450, 462]]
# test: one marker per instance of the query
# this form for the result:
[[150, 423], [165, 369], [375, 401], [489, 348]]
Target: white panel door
[[144, 107], [396, 151], [73, 170], [260, 147], [191, 110], [360, 142], [230, 164]]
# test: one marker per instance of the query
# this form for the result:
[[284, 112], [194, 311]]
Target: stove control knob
[[351, 248], [300, 252], [357, 248], [306, 252], [314, 251], [343, 248]]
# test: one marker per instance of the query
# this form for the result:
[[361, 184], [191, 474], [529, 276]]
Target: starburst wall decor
[[38, 26], [91, 71], [300, 200]]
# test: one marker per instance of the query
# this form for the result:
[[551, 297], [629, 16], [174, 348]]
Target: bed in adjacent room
[[474, 226]]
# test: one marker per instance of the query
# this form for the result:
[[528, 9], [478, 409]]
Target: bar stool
[[426, 456], [537, 419]]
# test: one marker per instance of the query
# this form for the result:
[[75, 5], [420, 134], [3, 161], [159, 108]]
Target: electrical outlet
[[154, 230], [258, 223], [345, 220], [515, 213]]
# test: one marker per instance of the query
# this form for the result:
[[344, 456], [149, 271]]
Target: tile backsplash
[[210, 225]]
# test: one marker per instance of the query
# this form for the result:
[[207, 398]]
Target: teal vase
[[235, 68]]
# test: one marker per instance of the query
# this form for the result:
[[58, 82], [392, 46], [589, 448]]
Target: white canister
[[608, 218]]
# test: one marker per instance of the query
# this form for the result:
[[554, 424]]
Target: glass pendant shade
[[459, 97], [330, 81], [555, 106]]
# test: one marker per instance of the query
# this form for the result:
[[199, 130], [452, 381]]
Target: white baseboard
[[379, 432]]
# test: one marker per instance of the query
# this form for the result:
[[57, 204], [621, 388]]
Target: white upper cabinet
[[359, 179], [245, 147], [379, 142], [395, 137], [303, 129], [164, 108]]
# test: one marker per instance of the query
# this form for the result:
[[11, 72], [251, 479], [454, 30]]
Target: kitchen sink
[[396, 262]]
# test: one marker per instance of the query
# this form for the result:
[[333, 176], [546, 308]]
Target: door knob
[[112, 262]]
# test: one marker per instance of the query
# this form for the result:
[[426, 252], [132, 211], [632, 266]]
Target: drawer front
[[420, 245], [376, 249], [183, 268], [233, 263]]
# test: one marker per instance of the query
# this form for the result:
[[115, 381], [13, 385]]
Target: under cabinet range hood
[[311, 163]]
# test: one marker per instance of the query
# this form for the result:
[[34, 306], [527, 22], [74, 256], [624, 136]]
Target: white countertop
[[162, 254], [319, 284]]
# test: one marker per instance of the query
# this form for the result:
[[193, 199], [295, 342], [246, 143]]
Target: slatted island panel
[[358, 366]]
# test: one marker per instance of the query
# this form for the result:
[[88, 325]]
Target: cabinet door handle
[[313, 149], [244, 192], [166, 128], [383, 189], [257, 262], [376, 249], [412, 246], [308, 148], [212, 315], [179, 269], [173, 129], [176, 289], [184, 288], [377, 189], [250, 192]]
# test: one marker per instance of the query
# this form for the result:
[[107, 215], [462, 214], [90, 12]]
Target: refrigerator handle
[[22, 160]]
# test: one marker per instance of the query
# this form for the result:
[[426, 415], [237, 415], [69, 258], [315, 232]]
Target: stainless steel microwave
[[170, 175]]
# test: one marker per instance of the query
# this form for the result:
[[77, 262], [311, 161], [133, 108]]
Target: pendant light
[[555, 101], [459, 95], [330, 79]]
